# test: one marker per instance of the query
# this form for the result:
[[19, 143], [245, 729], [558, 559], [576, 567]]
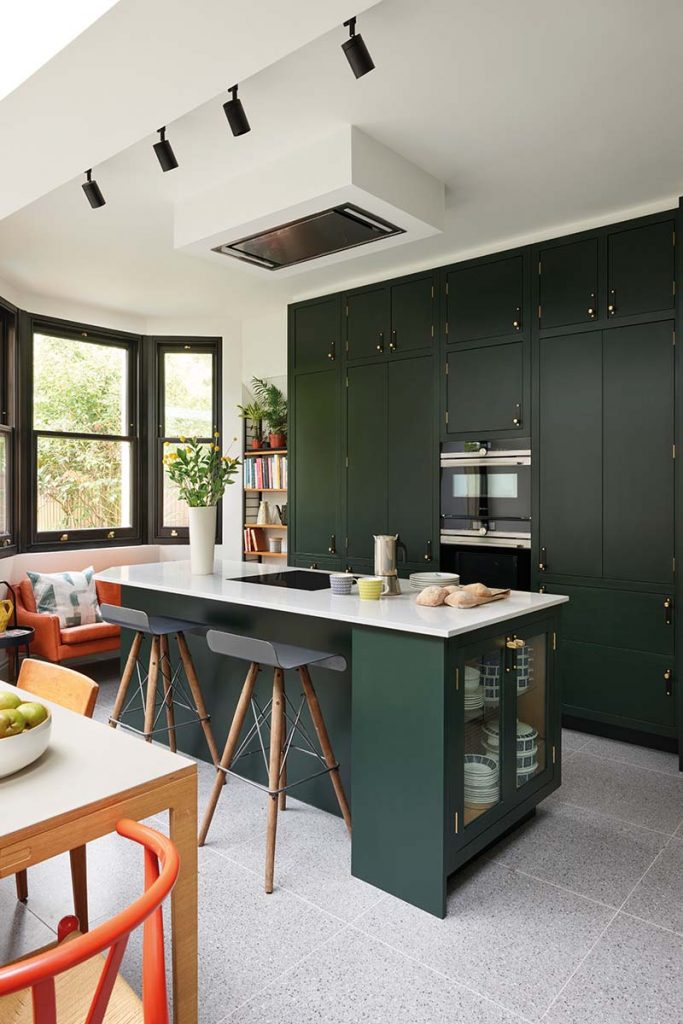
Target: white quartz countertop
[[399, 612]]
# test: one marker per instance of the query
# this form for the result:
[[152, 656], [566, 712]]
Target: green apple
[[8, 700], [12, 722], [33, 713]]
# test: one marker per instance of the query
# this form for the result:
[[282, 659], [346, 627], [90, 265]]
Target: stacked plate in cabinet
[[421, 580], [491, 673], [527, 747], [482, 780], [474, 693]]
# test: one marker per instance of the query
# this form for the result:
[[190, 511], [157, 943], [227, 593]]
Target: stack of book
[[254, 540], [266, 472]]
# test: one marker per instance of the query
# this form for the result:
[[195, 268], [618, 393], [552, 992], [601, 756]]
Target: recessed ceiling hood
[[308, 238], [324, 203]]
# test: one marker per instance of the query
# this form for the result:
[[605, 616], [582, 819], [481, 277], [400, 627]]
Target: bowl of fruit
[[25, 728]]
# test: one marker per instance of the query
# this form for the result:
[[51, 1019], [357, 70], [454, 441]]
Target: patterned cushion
[[70, 595]]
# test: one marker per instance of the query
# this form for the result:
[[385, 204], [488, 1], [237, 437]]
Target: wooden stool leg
[[21, 882], [79, 885], [230, 747], [168, 695], [125, 680], [283, 782], [197, 695], [324, 740], [277, 723], [151, 688]]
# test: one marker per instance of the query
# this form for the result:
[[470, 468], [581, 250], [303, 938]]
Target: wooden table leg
[[183, 832], [79, 884]]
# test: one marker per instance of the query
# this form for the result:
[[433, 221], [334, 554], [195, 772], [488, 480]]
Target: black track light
[[234, 111], [93, 191], [164, 152], [356, 51]]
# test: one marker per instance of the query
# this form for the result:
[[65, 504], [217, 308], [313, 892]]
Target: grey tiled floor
[[576, 918]]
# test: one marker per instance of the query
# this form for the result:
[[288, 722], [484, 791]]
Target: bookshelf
[[264, 473]]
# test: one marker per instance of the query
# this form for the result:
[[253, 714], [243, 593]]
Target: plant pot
[[278, 440], [202, 539], [255, 442]]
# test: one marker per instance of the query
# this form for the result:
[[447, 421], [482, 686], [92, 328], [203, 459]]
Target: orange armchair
[[52, 642]]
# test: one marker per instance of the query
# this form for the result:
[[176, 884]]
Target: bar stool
[[284, 721], [175, 694]]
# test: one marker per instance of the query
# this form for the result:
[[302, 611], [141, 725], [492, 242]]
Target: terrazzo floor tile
[[643, 757], [599, 857], [507, 936], [650, 799], [572, 740], [659, 895], [633, 976], [356, 980]]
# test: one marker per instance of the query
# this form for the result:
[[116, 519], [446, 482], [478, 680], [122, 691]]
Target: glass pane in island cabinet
[[528, 664], [482, 763]]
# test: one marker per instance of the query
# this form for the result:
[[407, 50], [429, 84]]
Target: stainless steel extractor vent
[[309, 238]]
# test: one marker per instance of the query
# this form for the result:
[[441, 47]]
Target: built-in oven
[[486, 511]]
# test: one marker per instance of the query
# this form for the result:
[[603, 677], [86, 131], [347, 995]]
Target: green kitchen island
[[446, 722]]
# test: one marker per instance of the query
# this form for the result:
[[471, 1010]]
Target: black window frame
[[158, 533], [9, 539], [81, 538]]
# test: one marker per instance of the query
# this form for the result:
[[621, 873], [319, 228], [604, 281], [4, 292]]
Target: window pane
[[83, 485], [79, 386], [4, 518], [188, 394]]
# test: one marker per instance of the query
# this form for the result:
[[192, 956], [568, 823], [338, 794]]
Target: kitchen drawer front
[[617, 618], [316, 562], [626, 688]]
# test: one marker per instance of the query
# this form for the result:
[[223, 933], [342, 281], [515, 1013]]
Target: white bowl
[[18, 751]]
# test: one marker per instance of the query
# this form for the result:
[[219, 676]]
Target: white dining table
[[89, 778]]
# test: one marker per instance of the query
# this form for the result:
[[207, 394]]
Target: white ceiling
[[538, 115]]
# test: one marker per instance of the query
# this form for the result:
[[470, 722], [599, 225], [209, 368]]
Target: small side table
[[11, 640]]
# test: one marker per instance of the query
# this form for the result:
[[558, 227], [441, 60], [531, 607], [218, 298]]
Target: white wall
[[264, 346]]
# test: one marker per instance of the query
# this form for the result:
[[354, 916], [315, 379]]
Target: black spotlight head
[[356, 51], [164, 152], [234, 111], [93, 191]]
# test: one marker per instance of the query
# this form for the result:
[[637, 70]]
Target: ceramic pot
[[277, 440], [255, 443], [202, 539]]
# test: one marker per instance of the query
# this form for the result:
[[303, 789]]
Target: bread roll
[[462, 599], [478, 589], [430, 597]]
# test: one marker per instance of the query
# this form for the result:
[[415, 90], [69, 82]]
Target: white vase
[[202, 539]]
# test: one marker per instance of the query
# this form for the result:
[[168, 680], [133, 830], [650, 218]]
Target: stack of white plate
[[482, 780], [422, 580], [474, 693], [527, 748]]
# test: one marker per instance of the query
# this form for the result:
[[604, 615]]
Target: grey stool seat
[[159, 628], [284, 721]]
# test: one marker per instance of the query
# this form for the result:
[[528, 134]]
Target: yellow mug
[[371, 588]]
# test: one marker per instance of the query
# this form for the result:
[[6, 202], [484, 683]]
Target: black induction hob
[[296, 579]]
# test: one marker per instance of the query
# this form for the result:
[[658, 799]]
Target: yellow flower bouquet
[[199, 470]]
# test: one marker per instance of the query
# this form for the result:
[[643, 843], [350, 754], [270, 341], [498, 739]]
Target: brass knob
[[590, 311], [516, 421], [111, 535], [515, 324], [174, 533], [514, 643], [611, 309], [6, 542], [64, 536]]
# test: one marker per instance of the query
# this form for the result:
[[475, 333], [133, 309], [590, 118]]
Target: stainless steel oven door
[[485, 488]]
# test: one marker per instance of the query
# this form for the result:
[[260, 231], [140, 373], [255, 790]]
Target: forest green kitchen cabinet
[[484, 299], [366, 458], [314, 331], [390, 319], [641, 269], [568, 283], [485, 389], [315, 446]]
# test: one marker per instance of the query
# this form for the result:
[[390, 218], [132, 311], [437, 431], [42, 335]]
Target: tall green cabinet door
[[366, 474], [485, 389], [570, 454], [413, 315], [412, 457], [485, 299], [366, 313], [641, 272], [315, 333], [568, 283], [316, 447], [638, 533]]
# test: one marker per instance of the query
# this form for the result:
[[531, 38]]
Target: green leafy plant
[[199, 471], [274, 404], [254, 411]]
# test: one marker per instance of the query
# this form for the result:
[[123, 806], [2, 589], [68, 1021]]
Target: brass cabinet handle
[[668, 682], [313, 565], [174, 533], [612, 307], [332, 354], [380, 344], [517, 322], [333, 545], [64, 536], [668, 607], [592, 310], [542, 565], [393, 344], [514, 643], [517, 420], [111, 535], [428, 552]]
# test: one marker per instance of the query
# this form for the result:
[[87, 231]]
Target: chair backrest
[[59, 684], [37, 973], [130, 617]]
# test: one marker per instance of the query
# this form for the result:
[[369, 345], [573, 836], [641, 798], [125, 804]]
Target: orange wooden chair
[[71, 981], [76, 692]]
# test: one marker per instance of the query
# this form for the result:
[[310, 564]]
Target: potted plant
[[275, 410], [254, 411], [201, 474]]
